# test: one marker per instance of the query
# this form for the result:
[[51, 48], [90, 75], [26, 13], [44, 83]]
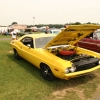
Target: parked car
[[55, 31], [24, 32], [91, 42], [34, 29], [56, 55]]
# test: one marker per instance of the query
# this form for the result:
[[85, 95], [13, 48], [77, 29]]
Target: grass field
[[19, 80], [4, 36]]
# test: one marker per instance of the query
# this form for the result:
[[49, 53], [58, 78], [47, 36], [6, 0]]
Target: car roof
[[38, 35]]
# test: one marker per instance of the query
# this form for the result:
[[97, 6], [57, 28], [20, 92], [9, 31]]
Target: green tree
[[77, 23], [14, 23], [88, 23]]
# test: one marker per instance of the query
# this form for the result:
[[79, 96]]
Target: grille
[[86, 67], [86, 64]]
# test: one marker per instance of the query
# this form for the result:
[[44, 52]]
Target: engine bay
[[80, 60]]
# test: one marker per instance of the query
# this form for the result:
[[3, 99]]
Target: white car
[[55, 31]]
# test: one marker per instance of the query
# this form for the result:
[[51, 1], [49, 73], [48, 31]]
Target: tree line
[[60, 25], [55, 25]]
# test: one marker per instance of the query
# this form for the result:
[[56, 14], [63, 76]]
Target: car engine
[[80, 61]]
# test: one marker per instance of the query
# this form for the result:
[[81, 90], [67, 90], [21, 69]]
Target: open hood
[[72, 34]]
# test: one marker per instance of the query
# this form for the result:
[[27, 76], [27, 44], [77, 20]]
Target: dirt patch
[[97, 94], [62, 93], [10, 51], [5, 39]]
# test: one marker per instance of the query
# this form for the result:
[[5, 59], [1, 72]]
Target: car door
[[25, 45], [28, 51]]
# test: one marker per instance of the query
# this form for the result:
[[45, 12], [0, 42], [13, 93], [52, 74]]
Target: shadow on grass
[[58, 83]]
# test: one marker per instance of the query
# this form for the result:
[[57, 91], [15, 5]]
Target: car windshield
[[98, 34], [41, 42]]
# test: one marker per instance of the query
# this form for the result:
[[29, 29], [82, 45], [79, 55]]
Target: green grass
[[5, 36], [20, 80]]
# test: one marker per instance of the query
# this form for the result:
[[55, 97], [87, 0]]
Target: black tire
[[47, 73], [16, 55]]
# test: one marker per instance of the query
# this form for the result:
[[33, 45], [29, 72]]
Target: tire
[[16, 55], [47, 73]]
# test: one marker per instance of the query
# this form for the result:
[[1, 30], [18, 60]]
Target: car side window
[[94, 37], [28, 41]]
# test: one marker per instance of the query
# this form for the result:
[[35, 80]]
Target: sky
[[33, 12]]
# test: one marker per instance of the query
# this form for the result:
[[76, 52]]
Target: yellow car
[[58, 56]]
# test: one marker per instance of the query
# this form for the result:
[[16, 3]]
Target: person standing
[[47, 31], [14, 35], [66, 26]]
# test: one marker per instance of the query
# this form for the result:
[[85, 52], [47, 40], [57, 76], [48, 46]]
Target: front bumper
[[79, 73]]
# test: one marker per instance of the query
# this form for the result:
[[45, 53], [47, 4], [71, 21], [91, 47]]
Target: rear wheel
[[16, 55], [47, 73]]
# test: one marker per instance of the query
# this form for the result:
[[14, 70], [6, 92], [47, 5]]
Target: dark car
[[91, 42], [26, 31]]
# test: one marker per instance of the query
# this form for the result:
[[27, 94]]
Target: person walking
[[14, 35]]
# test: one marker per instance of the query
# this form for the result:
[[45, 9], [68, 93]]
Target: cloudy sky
[[49, 11]]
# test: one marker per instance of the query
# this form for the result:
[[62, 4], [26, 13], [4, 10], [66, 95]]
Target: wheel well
[[14, 49], [41, 65], [52, 76]]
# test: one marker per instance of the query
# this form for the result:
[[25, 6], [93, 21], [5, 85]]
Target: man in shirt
[[14, 34]]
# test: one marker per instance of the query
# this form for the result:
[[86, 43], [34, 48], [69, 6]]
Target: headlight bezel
[[67, 70], [70, 69]]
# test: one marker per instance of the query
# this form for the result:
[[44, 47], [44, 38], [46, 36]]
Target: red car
[[91, 42]]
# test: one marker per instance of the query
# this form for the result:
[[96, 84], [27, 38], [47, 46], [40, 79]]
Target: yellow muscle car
[[58, 56]]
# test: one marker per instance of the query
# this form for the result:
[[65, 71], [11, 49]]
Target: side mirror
[[29, 45]]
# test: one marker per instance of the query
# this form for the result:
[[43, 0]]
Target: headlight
[[99, 62], [67, 70], [72, 69]]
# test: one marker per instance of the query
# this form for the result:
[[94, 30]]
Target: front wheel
[[16, 55], [47, 73]]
